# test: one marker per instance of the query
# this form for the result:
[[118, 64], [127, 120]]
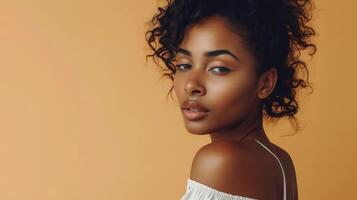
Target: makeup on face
[[215, 71]]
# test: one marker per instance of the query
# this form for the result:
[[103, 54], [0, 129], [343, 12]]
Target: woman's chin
[[196, 129]]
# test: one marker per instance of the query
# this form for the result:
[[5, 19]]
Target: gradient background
[[84, 117]]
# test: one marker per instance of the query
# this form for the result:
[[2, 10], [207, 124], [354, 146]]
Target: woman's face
[[223, 83]]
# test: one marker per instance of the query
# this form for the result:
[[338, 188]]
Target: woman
[[233, 63]]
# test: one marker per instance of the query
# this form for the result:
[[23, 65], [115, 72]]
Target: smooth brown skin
[[232, 163]]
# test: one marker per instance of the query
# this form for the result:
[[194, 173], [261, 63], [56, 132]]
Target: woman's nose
[[194, 84]]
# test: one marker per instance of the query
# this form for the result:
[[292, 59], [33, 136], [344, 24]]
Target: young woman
[[234, 63]]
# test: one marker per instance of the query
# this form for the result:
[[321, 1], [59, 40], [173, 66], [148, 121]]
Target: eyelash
[[226, 69]]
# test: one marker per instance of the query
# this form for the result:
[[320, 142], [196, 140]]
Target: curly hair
[[274, 31]]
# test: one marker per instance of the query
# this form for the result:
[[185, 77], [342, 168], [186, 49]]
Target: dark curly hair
[[274, 31]]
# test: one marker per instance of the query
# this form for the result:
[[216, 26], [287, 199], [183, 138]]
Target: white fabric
[[199, 191]]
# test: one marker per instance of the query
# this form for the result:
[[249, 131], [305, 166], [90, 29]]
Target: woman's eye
[[222, 68], [179, 66]]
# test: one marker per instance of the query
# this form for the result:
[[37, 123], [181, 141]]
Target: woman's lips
[[194, 105], [194, 115]]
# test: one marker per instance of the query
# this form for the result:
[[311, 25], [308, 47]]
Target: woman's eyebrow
[[209, 53]]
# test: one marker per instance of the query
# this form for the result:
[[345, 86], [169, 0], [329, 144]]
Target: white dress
[[199, 191]]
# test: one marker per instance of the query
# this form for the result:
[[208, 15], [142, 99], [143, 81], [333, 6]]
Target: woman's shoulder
[[236, 168], [247, 151], [290, 173]]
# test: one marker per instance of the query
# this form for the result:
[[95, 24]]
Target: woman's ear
[[266, 83]]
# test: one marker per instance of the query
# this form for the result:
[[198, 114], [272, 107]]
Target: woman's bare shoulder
[[235, 168], [290, 173]]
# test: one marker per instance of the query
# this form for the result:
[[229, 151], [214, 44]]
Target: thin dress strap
[[280, 166]]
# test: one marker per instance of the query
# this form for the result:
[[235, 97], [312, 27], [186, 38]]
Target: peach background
[[84, 117]]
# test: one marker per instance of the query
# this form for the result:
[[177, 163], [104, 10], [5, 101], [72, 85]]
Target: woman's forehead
[[210, 28], [212, 34]]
